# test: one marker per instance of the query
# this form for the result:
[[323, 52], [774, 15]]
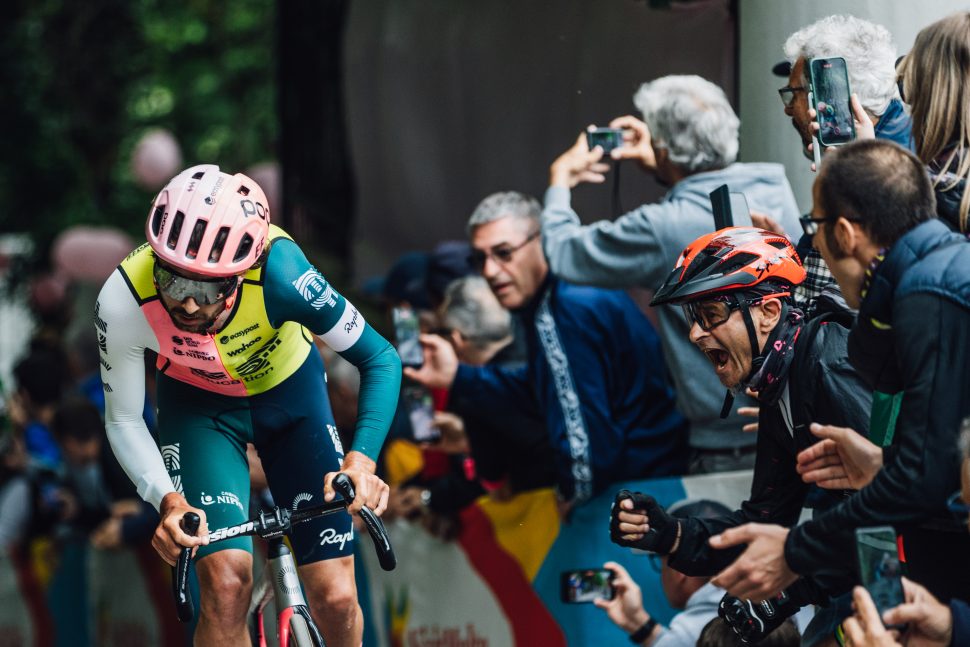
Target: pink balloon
[[156, 159], [84, 253]]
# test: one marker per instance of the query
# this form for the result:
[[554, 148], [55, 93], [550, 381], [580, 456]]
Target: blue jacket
[[596, 373], [896, 125], [912, 335]]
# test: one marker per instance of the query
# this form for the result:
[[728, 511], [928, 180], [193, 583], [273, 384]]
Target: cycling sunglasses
[[204, 291], [711, 313]]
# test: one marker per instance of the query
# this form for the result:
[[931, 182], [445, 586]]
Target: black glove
[[752, 621], [663, 528]]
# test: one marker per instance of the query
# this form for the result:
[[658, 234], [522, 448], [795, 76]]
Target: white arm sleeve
[[123, 335]]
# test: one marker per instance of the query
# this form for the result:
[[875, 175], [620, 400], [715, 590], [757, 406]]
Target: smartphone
[[730, 209], [740, 211], [880, 571], [607, 138], [406, 332], [586, 585], [420, 408], [831, 96]]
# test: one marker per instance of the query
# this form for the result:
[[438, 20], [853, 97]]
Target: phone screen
[[879, 567], [740, 211], [420, 407], [406, 332], [607, 138], [586, 585], [830, 90]]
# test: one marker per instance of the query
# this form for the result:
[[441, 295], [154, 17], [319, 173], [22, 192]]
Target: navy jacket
[[912, 334], [596, 373]]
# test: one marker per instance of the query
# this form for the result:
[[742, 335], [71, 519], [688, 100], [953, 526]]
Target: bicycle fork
[[289, 598]]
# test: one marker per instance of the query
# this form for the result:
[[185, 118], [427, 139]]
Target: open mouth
[[719, 358]]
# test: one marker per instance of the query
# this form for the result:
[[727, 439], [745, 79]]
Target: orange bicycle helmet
[[734, 259]]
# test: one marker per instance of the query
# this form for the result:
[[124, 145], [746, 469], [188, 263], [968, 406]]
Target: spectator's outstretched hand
[[865, 627], [626, 608], [637, 142], [930, 624], [760, 572], [843, 459], [578, 164], [440, 364]]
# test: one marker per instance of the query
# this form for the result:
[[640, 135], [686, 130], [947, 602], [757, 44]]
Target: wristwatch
[[643, 632]]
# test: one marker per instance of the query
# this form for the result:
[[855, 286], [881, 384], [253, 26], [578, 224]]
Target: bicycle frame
[[272, 525]]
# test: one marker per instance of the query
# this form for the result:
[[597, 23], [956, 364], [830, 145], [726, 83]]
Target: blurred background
[[374, 127]]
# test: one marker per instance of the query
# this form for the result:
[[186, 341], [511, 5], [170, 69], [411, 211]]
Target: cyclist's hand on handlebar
[[369, 489], [169, 538]]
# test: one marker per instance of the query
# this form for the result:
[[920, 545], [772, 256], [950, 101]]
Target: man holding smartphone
[[688, 141]]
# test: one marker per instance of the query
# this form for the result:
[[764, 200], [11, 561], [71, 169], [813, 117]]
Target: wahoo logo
[[173, 464], [258, 361], [225, 339], [330, 536], [315, 289], [300, 498], [335, 438], [245, 345], [225, 533]]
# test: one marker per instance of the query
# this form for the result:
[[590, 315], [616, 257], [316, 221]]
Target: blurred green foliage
[[83, 81]]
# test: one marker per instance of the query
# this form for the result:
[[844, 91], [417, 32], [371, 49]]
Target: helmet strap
[[230, 301]]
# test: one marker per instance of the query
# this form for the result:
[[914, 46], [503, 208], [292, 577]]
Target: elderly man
[[688, 141], [594, 366], [874, 213]]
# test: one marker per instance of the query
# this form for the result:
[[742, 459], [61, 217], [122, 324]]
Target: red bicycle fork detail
[[283, 625]]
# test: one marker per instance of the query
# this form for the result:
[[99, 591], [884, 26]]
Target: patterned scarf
[[778, 356]]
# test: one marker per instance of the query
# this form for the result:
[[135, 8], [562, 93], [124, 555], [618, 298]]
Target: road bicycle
[[295, 626]]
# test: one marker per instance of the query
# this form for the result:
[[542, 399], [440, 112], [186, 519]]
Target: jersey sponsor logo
[[350, 325], [185, 341], [194, 354], [98, 321], [330, 536], [216, 377], [232, 531], [335, 438], [245, 346], [135, 252], [300, 498], [225, 498], [256, 376], [258, 361], [173, 464], [315, 289], [225, 339]]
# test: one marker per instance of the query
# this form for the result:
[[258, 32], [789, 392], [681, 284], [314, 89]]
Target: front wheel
[[303, 633]]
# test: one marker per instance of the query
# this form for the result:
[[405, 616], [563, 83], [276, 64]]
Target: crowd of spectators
[[840, 330]]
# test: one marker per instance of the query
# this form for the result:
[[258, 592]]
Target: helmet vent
[[157, 220], [245, 245], [737, 262], [243, 190], [778, 244], [216, 252], [198, 175], [173, 235], [195, 240]]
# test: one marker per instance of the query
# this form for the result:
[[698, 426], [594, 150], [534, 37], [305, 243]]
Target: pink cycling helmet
[[208, 222]]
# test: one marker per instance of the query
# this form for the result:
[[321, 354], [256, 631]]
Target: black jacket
[[828, 391], [913, 334]]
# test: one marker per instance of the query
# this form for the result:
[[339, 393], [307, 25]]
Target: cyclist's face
[[727, 347], [514, 278], [190, 315]]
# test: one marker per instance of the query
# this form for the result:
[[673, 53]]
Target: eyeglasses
[[959, 509], [810, 224], [502, 254], [204, 291], [787, 93], [711, 313]]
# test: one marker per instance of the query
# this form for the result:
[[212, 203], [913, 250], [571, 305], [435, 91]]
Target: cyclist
[[735, 286], [229, 302]]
